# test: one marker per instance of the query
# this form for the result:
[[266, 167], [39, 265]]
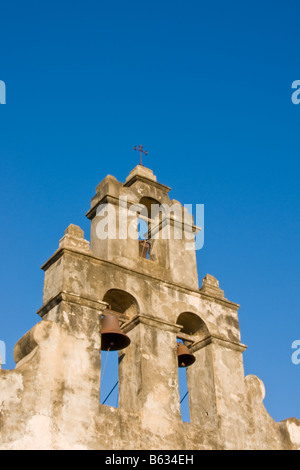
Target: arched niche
[[122, 302], [151, 207], [149, 219], [193, 325]]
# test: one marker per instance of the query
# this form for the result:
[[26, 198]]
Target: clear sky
[[206, 88]]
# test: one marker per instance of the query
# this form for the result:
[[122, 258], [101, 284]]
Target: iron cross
[[140, 148]]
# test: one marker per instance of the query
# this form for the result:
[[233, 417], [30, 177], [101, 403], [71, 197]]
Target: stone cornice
[[214, 339], [109, 199], [157, 185], [151, 321], [72, 298], [219, 300], [171, 221], [60, 252]]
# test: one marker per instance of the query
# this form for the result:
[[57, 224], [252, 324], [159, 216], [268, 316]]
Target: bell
[[185, 358], [112, 337], [144, 246]]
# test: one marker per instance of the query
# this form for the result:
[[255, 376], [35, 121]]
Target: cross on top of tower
[[141, 150]]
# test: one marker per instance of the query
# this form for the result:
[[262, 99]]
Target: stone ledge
[[74, 239], [72, 298], [141, 170], [214, 339], [142, 179], [151, 321], [109, 199], [172, 285]]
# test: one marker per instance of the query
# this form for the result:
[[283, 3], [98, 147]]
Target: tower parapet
[[51, 400]]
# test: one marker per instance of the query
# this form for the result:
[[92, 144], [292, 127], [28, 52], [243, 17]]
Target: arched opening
[[193, 326], [126, 307], [122, 302], [143, 236], [193, 329], [151, 206], [183, 392], [149, 220]]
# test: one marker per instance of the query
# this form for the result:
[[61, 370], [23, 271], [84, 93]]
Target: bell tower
[[114, 215], [157, 302], [137, 292]]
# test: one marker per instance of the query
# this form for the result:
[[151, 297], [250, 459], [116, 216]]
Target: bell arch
[[122, 302], [125, 307], [150, 209], [201, 399], [152, 213], [193, 325], [193, 330]]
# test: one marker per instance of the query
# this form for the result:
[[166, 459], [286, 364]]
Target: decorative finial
[[141, 150]]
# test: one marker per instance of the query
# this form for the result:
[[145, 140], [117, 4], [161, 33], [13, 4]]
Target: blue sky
[[206, 88]]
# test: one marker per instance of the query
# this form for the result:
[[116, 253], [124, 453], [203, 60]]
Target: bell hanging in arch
[[112, 337], [185, 358]]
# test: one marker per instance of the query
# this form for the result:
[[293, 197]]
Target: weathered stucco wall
[[52, 398]]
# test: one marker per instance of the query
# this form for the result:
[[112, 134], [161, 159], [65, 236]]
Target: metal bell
[[112, 337], [144, 246], [185, 358]]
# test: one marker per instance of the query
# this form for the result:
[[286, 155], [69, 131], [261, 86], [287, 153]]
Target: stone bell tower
[[150, 285]]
